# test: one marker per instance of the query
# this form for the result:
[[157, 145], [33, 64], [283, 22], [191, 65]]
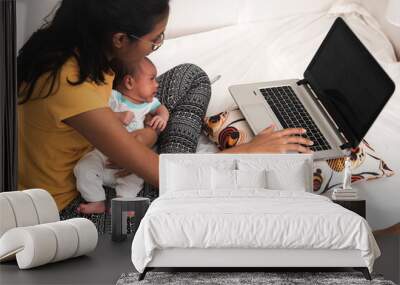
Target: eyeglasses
[[154, 45]]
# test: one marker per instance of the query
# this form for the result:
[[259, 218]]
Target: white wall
[[383, 198], [378, 8], [21, 23], [37, 11]]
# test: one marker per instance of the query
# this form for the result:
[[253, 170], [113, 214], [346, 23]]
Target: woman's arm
[[102, 128], [104, 131]]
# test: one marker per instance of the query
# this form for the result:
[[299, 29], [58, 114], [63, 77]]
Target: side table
[[357, 206]]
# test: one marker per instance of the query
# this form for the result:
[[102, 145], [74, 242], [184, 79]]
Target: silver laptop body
[[259, 114], [343, 114]]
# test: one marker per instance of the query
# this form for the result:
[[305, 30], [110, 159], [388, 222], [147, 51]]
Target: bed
[[254, 41], [223, 214]]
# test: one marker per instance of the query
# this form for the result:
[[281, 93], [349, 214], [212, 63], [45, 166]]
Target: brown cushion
[[227, 129]]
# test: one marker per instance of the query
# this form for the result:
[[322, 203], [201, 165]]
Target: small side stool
[[121, 208]]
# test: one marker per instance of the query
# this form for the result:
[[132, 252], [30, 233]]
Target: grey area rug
[[243, 278]]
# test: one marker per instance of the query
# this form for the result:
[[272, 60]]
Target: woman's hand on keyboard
[[271, 141], [282, 141]]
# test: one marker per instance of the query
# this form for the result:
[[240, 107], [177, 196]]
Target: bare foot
[[92, 208]]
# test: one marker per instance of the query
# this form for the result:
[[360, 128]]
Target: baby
[[133, 99]]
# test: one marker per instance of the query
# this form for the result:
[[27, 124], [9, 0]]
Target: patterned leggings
[[185, 90]]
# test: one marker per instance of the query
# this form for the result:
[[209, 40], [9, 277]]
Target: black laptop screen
[[349, 82]]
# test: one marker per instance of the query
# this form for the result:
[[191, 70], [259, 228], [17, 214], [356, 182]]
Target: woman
[[65, 79]]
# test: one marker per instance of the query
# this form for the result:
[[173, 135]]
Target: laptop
[[342, 93]]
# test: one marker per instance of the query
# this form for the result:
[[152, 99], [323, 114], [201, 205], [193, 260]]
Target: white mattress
[[253, 218]]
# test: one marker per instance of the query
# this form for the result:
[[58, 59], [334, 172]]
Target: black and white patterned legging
[[185, 90]]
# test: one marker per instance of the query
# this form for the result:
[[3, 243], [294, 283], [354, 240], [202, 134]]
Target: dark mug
[[121, 209]]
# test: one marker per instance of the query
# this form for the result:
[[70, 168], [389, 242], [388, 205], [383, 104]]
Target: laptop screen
[[349, 82]]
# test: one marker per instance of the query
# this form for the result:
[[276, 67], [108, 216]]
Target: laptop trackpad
[[257, 116]]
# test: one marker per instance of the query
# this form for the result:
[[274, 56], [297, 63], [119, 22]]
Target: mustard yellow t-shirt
[[48, 149]]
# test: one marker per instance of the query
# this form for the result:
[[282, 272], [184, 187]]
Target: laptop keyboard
[[292, 114]]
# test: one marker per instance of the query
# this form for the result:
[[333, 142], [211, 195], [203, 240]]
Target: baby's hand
[[126, 117], [158, 123]]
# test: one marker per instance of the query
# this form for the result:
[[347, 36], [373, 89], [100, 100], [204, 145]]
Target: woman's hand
[[271, 141]]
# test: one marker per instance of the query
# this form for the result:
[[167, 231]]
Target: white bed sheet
[[267, 50], [282, 48], [253, 218]]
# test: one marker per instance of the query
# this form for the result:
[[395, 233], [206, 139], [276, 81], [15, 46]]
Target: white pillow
[[251, 178], [223, 179], [292, 179], [186, 177], [283, 172], [193, 16], [261, 10], [228, 179]]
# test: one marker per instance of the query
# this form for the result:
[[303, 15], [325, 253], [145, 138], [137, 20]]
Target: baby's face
[[146, 84]]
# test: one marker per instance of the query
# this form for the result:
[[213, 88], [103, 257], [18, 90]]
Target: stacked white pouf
[[31, 231]]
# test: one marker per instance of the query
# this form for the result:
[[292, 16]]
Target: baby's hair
[[121, 70]]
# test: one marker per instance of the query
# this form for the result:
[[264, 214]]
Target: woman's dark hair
[[82, 29]]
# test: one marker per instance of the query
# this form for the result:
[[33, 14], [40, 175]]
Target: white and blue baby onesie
[[91, 172], [119, 103]]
